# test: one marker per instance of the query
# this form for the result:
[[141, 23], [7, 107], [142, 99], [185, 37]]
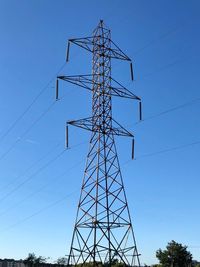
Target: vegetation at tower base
[[32, 260], [114, 263], [61, 261], [175, 255]]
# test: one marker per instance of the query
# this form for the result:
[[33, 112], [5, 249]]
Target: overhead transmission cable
[[50, 106], [41, 210], [163, 151], [146, 155], [31, 166], [188, 103], [27, 130], [160, 69], [38, 171], [168, 150], [33, 175], [35, 122], [126, 162], [56, 179], [31, 104], [152, 42]]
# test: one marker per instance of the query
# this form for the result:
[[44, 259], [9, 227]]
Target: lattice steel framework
[[103, 232]]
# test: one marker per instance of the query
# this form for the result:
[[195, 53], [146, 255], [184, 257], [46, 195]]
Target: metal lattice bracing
[[103, 232]]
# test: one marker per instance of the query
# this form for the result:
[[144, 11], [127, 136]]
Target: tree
[[61, 261], [175, 255], [32, 260], [40, 259]]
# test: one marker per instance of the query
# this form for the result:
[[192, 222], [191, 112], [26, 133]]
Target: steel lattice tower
[[103, 232]]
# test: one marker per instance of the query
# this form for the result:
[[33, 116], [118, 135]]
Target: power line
[[31, 166], [154, 116], [46, 185], [31, 104], [52, 104], [168, 150], [38, 171], [152, 42], [40, 211], [30, 127], [33, 175], [169, 65], [162, 36], [162, 151], [27, 130], [41, 189], [45, 208], [145, 155], [188, 103], [126, 162], [44, 113]]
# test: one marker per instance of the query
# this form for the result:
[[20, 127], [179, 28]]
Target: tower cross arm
[[117, 53], [87, 82], [121, 91], [84, 81], [88, 42], [91, 124]]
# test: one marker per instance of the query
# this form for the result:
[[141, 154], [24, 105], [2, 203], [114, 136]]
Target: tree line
[[174, 255]]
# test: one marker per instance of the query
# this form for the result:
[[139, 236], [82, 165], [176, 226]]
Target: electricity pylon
[[103, 232]]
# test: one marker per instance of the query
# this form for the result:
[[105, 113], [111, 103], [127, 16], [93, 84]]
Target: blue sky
[[39, 186]]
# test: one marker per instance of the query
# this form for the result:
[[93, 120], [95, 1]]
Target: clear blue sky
[[162, 38]]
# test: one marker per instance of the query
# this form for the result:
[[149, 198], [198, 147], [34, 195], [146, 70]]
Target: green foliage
[[90, 264], [175, 255], [61, 261], [114, 263], [32, 260]]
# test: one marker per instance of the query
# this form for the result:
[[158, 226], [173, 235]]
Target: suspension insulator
[[57, 89], [133, 148], [67, 56], [131, 67], [66, 137], [140, 110]]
